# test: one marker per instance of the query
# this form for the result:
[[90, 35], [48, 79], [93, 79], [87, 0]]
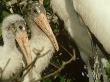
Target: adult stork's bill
[[42, 38], [11, 62], [95, 14]]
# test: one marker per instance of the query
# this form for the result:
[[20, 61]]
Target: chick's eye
[[20, 27], [35, 10]]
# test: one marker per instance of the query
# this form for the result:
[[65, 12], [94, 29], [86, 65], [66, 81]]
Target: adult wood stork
[[42, 38], [79, 32], [95, 14], [11, 62]]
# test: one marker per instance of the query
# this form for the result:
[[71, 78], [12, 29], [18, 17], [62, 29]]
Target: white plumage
[[78, 32], [10, 58], [39, 40], [95, 14]]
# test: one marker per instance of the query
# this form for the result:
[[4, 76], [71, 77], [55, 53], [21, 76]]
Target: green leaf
[[47, 80], [5, 13], [62, 79]]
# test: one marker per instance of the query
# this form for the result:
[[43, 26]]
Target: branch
[[52, 74], [66, 50], [4, 67], [38, 55]]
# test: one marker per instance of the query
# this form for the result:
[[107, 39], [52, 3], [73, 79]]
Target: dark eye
[[35, 10], [20, 27]]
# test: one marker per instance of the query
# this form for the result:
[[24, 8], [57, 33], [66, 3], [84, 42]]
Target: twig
[[38, 55], [5, 67], [54, 65], [26, 68], [68, 53], [66, 50], [52, 74]]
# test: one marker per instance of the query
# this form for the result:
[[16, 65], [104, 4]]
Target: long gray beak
[[42, 22], [22, 39]]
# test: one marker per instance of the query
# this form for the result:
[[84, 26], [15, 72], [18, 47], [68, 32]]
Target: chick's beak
[[22, 39], [43, 24]]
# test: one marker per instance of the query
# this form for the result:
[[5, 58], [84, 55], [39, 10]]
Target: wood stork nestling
[[42, 37], [11, 62]]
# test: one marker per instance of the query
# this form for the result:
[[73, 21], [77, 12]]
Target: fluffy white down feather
[[10, 58]]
